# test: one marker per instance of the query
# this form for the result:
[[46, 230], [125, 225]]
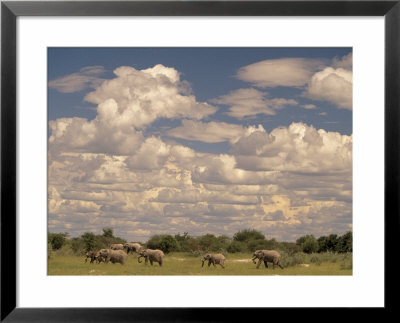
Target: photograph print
[[200, 161]]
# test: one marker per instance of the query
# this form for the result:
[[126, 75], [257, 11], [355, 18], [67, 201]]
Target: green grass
[[185, 264]]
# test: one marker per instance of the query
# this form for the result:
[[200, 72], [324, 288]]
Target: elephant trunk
[[138, 259], [202, 262]]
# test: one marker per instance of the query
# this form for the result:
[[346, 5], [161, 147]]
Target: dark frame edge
[[8, 293], [392, 145], [203, 8]]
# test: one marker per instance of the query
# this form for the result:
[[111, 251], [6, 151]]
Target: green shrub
[[308, 244], [293, 260], [89, 240], [315, 259], [57, 240], [290, 248], [78, 246], [206, 241], [108, 232], [260, 244], [166, 243], [193, 244], [64, 251], [248, 234], [345, 243], [183, 241], [347, 261], [217, 246], [235, 246]]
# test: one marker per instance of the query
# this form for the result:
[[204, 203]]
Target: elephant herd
[[118, 253]]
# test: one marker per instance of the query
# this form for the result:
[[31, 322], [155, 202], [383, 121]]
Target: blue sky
[[225, 109]]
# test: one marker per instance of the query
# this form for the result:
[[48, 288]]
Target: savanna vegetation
[[326, 255]]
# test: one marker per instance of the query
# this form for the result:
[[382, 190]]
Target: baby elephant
[[92, 255], [99, 258], [215, 259], [114, 256], [152, 256], [267, 256]]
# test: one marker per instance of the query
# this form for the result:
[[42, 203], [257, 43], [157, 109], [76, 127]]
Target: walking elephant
[[132, 247], [215, 259], [99, 257], [152, 256], [267, 256], [115, 256], [117, 246], [92, 255]]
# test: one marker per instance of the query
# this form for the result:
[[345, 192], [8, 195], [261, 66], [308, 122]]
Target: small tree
[[78, 246], [345, 243], [89, 239], [332, 242], [309, 244], [108, 232], [183, 241], [248, 234], [57, 240], [323, 244], [206, 241], [235, 246], [154, 242], [168, 243]]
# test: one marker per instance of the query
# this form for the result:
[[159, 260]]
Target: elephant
[[132, 247], [267, 256], [99, 258], [117, 246], [92, 255], [215, 259], [113, 256], [151, 255]]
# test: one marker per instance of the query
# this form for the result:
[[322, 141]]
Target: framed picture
[[196, 133]]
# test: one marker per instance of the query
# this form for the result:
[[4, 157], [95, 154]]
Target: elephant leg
[[160, 263], [209, 263], [265, 264], [259, 263], [151, 262]]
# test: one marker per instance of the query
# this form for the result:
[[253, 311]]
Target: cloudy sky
[[200, 140]]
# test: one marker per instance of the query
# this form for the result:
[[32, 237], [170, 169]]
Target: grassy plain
[[186, 264]]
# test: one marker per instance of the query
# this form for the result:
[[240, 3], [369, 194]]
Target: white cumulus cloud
[[251, 102], [87, 77], [280, 72], [297, 148], [142, 96], [126, 105], [333, 85]]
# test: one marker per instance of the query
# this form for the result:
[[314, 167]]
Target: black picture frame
[[10, 10]]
